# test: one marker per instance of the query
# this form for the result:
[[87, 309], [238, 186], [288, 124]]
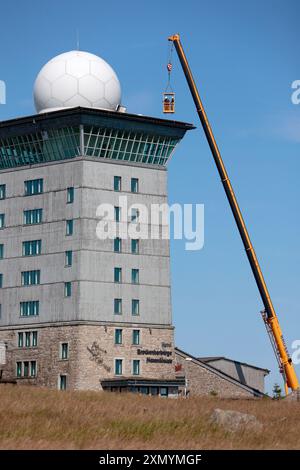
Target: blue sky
[[244, 58]]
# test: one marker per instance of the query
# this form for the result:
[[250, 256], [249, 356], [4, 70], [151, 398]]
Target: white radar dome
[[76, 78]]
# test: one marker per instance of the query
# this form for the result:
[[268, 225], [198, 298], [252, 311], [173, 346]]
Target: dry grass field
[[34, 418]]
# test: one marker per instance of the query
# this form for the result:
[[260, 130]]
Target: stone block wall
[[202, 381], [92, 353]]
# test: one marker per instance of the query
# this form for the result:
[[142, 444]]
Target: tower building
[[79, 311]]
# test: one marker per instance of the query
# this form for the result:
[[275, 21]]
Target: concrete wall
[[93, 287]]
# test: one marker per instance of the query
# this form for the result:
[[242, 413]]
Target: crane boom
[[270, 317]]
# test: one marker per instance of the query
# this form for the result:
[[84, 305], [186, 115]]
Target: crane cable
[[169, 68]]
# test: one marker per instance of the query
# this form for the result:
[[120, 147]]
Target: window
[[117, 183], [118, 274], [19, 369], [64, 351], [118, 366], [32, 368], [34, 339], [1, 251], [70, 195], [32, 248], [135, 246], [135, 276], [34, 216], [69, 227], [1, 280], [30, 339], [20, 340], [25, 368], [136, 367], [118, 306], [134, 214], [31, 278], [135, 307], [33, 187], [2, 191], [68, 258], [27, 339], [68, 289], [118, 336], [134, 185], [117, 214], [117, 245], [2, 221], [62, 382], [29, 308], [136, 337], [163, 391]]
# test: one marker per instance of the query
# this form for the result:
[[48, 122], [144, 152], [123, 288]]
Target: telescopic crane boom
[[269, 314]]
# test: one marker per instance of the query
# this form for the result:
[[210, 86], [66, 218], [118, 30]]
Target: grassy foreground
[[34, 418]]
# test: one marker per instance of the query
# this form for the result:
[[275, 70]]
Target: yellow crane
[[269, 315]]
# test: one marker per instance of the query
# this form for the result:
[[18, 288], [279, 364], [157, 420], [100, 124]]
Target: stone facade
[[91, 354], [202, 379]]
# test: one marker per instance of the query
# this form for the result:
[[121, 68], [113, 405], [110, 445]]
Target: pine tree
[[277, 392]]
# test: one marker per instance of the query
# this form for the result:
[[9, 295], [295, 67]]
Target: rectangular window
[[1, 251], [29, 308], [136, 367], [64, 351], [117, 245], [68, 258], [135, 276], [70, 195], [33, 187], [117, 183], [135, 246], [118, 274], [31, 278], [19, 369], [32, 368], [32, 248], [134, 185], [118, 336], [2, 221], [134, 214], [27, 339], [20, 340], [135, 307], [117, 214], [34, 216], [26, 368], [1, 280], [30, 339], [2, 191], [118, 306], [34, 339], [62, 382], [118, 366], [68, 289], [136, 337], [69, 227]]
